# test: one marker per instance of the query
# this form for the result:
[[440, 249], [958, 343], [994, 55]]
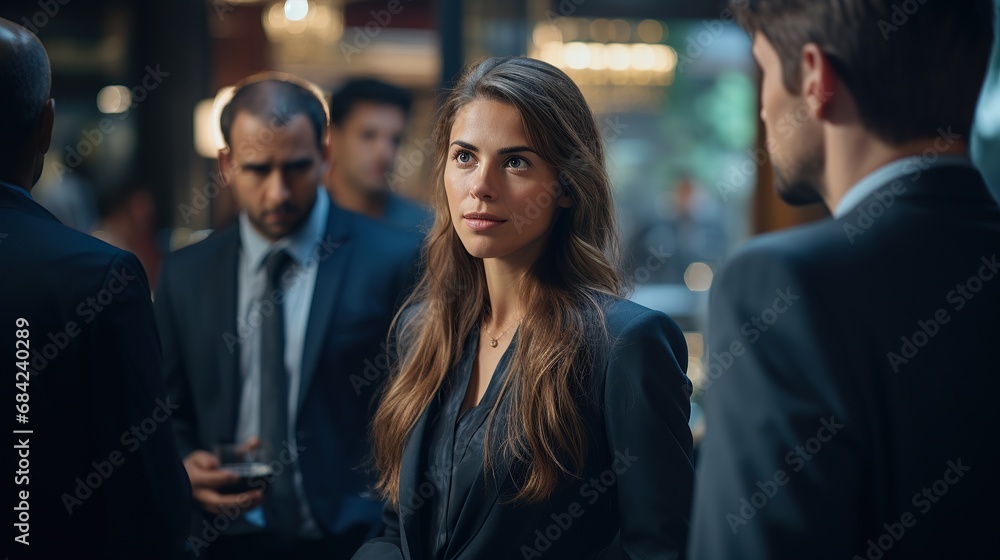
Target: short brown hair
[[913, 66], [278, 97]]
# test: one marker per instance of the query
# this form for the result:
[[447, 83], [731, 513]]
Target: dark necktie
[[281, 505]]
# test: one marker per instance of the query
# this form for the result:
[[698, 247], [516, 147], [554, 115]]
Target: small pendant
[[493, 342]]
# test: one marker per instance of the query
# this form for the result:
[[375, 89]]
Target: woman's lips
[[482, 224], [481, 221]]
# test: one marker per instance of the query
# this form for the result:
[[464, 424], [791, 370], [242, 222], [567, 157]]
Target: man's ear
[[333, 142], [819, 81], [325, 153], [46, 121], [226, 164]]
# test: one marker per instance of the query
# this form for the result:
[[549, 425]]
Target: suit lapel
[[223, 289], [334, 257], [408, 484]]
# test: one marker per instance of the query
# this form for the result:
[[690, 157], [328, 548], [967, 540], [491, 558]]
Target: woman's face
[[501, 194]]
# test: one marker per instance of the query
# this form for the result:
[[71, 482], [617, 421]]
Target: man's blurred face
[[794, 138], [274, 172], [364, 146]]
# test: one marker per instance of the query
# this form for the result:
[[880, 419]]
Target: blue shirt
[[890, 172]]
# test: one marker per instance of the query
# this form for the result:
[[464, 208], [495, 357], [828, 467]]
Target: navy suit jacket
[[852, 383], [358, 288], [407, 215], [102, 473], [634, 495]]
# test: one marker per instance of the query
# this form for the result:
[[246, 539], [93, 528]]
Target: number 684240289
[[22, 345]]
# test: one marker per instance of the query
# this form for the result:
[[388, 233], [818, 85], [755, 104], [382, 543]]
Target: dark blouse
[[633, 495], [457, 440]]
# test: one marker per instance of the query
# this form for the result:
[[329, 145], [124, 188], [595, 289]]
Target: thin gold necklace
[[493, 341]]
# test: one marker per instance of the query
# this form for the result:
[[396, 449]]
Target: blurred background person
[[98, 472], [72, 199], [368, 118], [852, 417], [683, 228], [269, 327], [127, 221]]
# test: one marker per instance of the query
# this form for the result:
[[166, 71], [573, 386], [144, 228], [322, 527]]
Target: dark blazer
[[639, 442], [358, 287], [102, 473], [849, 376], [407, 215]]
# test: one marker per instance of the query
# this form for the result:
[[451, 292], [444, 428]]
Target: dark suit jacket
[[104, 478], [849, 375], [639, 444], [358, 287], [407, 215]]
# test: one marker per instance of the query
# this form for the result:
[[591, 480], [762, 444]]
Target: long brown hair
[[544, 429]]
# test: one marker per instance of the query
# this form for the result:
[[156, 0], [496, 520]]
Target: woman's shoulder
[[412, 312], [644, 352], [625, 318], [408, 325]]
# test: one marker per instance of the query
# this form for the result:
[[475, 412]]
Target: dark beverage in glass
[[249, 464]]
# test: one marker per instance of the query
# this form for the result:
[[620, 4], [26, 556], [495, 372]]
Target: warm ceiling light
[[618, 57], [641, 56], [650, 31], [698, 277], [598, 56], [664, 58], [576, 55], [296, 10], [208, 139], [114, 99]]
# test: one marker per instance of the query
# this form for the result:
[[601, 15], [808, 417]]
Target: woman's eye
[[463, 157], [517, 163]]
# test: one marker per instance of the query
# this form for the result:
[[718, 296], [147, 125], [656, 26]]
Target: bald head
[[25, 74]]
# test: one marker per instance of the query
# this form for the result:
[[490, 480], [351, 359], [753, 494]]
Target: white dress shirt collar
[[301, 244]]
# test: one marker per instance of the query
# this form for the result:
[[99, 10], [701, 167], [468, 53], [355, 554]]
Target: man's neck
[[354, 199], [21, 180], [851, 155]]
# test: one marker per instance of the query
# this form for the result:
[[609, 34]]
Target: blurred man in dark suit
[[852, 385], [97, 471], [274, 334], [368, 120]]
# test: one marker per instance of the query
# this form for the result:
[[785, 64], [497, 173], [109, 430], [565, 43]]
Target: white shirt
[[251, 285], [889, 173]]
